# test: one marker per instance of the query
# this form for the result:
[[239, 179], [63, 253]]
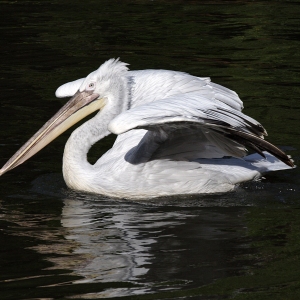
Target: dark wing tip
[[258, 144]]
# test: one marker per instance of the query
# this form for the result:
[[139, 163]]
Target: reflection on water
[[114, 241], [158, 247], [108, 242], [100, 244]]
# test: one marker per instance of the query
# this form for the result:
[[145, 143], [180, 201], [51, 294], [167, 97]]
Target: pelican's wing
[[69, 89], [225, 129], [151, 85]]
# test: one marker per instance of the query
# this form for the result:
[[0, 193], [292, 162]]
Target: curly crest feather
[[112, 67]]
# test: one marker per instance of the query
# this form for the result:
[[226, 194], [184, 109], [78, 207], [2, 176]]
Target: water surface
[[60, 244]]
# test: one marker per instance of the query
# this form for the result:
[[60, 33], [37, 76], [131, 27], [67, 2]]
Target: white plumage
[[177, 134]]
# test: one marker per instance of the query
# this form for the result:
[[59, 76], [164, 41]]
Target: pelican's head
[[89, 94]]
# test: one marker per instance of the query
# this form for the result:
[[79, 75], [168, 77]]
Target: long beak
[[78, 107]]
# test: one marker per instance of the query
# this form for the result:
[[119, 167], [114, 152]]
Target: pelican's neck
[[76, 168], [78, 172]]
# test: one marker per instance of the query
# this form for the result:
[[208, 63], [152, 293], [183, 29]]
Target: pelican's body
[[177, 134]]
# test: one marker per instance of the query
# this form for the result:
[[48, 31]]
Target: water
[[60, 244]]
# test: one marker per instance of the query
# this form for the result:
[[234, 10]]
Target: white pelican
[[177, 134]]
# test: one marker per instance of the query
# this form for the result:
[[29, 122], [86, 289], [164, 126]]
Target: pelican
[[177, 134]]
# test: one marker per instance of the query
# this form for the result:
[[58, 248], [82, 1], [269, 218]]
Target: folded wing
[[192, 126]]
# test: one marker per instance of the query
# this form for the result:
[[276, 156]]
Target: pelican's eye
[[91, 86]]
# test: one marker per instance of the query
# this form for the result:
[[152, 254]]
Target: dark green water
[[59, 244]]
